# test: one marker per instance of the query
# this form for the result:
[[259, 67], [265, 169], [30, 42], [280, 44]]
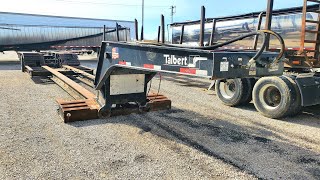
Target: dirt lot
[[198, 139]]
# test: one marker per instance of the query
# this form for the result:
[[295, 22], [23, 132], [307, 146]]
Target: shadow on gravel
[[309, 116], [187, 81], [251, 149], [248, 107], [9, 66], [42, 80]]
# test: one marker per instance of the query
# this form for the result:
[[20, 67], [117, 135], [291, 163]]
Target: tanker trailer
[[61, 38], [29, 32]]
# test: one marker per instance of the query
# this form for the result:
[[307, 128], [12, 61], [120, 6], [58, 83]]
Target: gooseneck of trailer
[[125, 68], [241, 75]]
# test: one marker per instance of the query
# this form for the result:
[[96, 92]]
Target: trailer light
[[296, 62]]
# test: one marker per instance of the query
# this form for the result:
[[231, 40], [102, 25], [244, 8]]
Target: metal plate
[[126, 84]]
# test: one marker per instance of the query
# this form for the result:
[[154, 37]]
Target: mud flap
[[309, 86]]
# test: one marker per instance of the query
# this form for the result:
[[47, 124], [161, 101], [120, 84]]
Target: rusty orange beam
[[89, 76], [81, 90]]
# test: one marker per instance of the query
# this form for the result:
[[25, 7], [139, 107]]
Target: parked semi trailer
[[274, 96], [125, 68], [26, 32]]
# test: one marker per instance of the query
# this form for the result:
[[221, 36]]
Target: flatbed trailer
[[32, 62]]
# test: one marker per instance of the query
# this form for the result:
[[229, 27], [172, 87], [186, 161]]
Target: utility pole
[[173, 11], [142, 13]]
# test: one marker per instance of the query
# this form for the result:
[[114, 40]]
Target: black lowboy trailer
[[242, 75], [125, 68]]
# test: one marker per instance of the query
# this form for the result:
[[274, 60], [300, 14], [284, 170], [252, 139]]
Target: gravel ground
[[198, 139]]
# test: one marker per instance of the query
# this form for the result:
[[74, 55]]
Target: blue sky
[[130, 9]]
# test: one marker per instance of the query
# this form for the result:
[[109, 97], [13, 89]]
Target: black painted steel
[[202, 21], [141, 36], [249, 15], [136, 29], [162, 30], [256, 38], [186, 61], [117, 32], [182, 32], [104, 32], [159, 34], [309, 89], [213, 29]]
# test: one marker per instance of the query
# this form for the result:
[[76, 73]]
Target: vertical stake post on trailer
[[117, 32], [202, 21], [104, 33], [141, 36], [159, 33], [162, 29], [136, 29], [182, 33], [268, 22], [213, 30]]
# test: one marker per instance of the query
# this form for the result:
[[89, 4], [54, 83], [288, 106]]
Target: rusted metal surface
[[76, 87], [312, 55], [86, 107], [268, 21], [77, 110], [303, 25], [158, 102], [317, 45], [83, 73]]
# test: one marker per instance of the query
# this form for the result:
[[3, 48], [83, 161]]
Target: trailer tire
[[234, 92], [248, 98], [104, 112], [297, 107], [274, 97]]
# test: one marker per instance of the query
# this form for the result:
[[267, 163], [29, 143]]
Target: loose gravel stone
[[198, 139]]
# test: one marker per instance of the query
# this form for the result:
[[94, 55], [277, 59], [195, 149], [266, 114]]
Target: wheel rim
[[228, 88], [270, 96]]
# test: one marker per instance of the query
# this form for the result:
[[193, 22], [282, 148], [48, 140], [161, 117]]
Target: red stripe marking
[[149, 66], [188, 70], [122, 63]]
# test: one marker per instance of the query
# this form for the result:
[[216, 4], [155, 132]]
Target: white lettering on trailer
[[172, 60]]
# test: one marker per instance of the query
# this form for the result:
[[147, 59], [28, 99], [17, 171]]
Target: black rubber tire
[[242, 92], [104, 113], [286, 91], [248, 98], [297, 107]]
